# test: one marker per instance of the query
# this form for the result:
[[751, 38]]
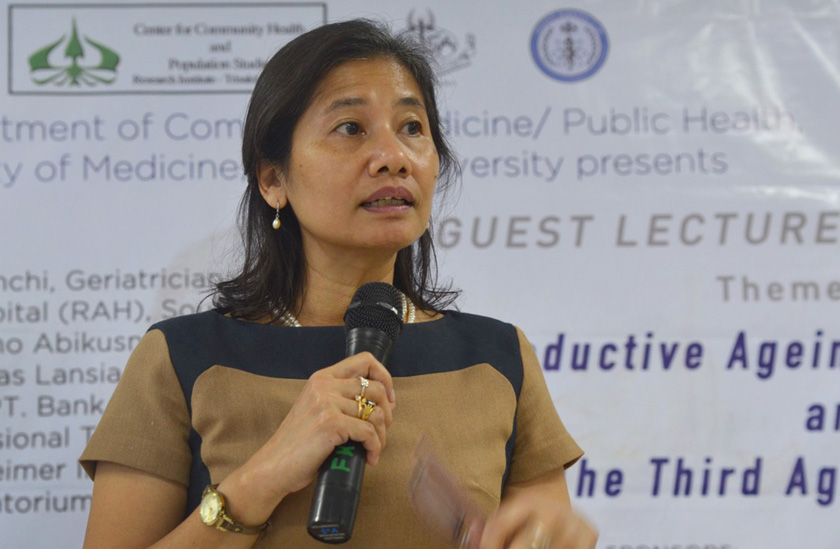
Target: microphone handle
[[337, 492], [339, 483], [375, 341]]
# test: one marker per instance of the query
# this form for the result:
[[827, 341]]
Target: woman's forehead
[[355, 82]]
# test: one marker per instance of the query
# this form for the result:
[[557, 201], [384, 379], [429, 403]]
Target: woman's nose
[[388, 155]]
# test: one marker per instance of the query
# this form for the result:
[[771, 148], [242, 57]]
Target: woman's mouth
[[383, 202], [389, 199]]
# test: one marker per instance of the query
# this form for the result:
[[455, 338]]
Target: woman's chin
[[394, 238], [391, 243]]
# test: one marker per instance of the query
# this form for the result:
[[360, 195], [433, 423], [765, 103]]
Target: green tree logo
[[43, 72]]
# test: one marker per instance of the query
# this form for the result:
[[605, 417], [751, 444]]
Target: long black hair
[[272, 279]]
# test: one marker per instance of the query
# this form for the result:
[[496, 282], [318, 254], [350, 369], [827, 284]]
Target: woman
[[342, 150]]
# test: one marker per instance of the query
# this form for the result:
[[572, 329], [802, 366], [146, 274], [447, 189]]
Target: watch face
[[210, 506]]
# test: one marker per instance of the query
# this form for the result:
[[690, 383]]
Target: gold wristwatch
[[213, 513]]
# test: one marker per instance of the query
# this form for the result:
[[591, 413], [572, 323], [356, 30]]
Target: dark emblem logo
[[73, 73], [569, 45], [450, 54]]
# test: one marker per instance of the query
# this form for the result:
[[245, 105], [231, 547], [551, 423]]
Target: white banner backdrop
[[650, 190]]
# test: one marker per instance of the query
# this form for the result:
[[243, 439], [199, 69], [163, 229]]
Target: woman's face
[[363, 163]]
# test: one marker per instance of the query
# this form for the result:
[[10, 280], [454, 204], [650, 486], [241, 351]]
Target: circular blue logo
[[569, 45]]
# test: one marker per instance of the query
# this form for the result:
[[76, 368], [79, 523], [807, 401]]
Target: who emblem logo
[[569, 45], [75, 67]]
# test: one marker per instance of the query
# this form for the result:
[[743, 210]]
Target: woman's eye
[[413, 128], [349, 128]]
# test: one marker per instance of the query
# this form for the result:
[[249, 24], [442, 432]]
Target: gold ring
[[541, 539], [366, 407], [365, 384]]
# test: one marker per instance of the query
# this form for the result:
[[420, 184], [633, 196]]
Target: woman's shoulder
[[472, 321], [194, 320], [210, 323], [477, 335]]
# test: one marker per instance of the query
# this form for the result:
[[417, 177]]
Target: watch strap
[[228, 523]]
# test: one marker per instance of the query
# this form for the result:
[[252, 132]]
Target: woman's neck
[[330, 287]]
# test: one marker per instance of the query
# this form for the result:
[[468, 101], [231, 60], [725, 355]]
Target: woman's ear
[[272, 184]]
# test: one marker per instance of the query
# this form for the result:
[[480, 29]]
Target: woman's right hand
[[324, 416]]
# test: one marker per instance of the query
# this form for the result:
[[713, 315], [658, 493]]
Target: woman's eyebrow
[[345, 102], [409, 101]]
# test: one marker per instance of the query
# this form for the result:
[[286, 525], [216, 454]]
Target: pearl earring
[[276, 222]]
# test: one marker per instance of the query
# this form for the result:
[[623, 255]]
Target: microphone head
[[376, 305]]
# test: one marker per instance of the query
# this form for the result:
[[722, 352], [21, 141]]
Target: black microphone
[[372, 323]]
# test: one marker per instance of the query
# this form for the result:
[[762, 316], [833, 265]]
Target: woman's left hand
[[538, 515]]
